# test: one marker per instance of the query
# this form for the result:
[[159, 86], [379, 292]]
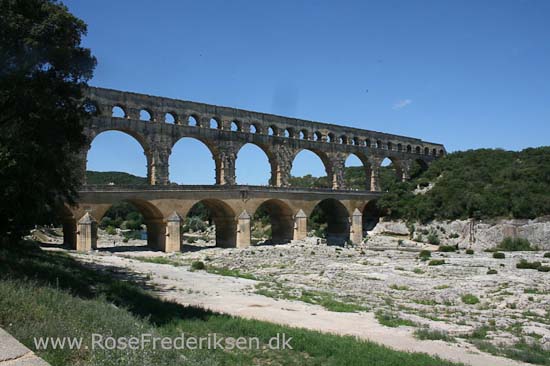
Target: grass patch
[[400, 288], [521, 351], [424, 254], [224, 271], [447, 248], [434, 335], [469, 251], [51, 294], [391, 320], [157, 260], [499, 255], [197, 266], [322, 298], [469, 299], [436, 262]]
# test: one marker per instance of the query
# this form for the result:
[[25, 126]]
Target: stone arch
[[280, 217], [171, 118], [206, 143], [318, 136], [303, 135], [366, 166], [92, 135], [145, 114], [343, 139], [223, 217], [331, 137], [236, 126], [426, 151], [153, 220], [324, 159], [396, 164], [193, 120], [336, 217], [271, 158], [370, 215], [119, 111], [215, 123]]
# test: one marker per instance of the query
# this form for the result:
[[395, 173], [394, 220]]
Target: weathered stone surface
[[13, 353]]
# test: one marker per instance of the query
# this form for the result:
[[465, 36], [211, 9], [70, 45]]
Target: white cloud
[[401, 103]]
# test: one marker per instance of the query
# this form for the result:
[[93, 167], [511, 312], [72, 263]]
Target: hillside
[[93, 177], [482, 183]]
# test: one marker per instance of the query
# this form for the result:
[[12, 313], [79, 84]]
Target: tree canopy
[[43, 69]]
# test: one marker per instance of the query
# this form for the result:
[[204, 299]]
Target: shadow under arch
[[371, 216], [223, 217], [271, 158], [331, 218], [324, 159], [367, 171], [280, 217]]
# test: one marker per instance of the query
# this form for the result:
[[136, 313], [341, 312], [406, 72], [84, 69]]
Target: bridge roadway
[[231, 207]]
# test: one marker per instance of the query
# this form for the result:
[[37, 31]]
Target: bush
[[425, 254], [547, 255], [454, 236], [447, 248], [544, 269], [110, 230], [433, 238], [125, 240], [469, 251], [197, 265], [491, 271], [514, 244], [469, 299], [194, 223], [499, 255], [436, 262], [523, 264]]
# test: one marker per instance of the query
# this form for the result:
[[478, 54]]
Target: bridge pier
[[173, 233], [226, 229], [156, 233], [243, 230], [86, 234], [356, 232], [300, 225]]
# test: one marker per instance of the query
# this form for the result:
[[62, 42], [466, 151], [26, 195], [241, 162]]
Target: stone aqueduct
[[224, 131]]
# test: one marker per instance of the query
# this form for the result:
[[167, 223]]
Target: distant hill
[[113, 177], [482, 183]]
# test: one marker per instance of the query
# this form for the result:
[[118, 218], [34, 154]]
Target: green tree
[[43, 69]]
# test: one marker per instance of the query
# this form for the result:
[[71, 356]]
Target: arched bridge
[[158, 123]]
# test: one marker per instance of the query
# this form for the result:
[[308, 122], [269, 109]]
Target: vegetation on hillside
[[117, 178], [43, 69], [480, 184]]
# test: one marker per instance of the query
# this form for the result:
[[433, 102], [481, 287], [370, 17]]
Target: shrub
[[194, 223], [523, 264], [436, 262], [491, 271], [110, 230], [514, 244], [469, 251], [197, 265], [547, 255], [447, 248], [433, 238], [424, 255], [499, 255], [469, 299], [544, 269], [125, 240], [454, 236]]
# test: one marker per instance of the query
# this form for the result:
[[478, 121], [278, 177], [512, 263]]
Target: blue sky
[[469, 74]]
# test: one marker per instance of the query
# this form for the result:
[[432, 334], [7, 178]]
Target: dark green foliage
[[543, 269], [469, 299], [433, 238], [122, 215], [42, 72], [514, 244], [524, 264], [117, 178], [193, 223], [469, 251], [491, 271], [436, 262], [197, 265], [499, 255], [424, 254], [547, 255], [447, 248], [481, 183]]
